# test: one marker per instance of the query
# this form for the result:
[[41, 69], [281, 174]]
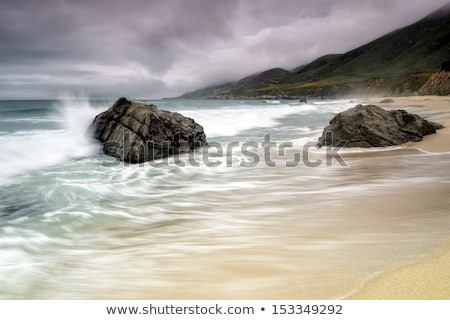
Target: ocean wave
[[32, 120], [272, 101], [27, 150], [24, 151], [231, 121]]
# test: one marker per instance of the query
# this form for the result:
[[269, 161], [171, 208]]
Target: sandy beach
[[426, 279], [429, 277], [372, 228]]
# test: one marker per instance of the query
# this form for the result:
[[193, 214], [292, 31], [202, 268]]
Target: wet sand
[[428, 278], [325, 232]]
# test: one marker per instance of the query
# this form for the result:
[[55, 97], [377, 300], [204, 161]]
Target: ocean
[[235, 220]]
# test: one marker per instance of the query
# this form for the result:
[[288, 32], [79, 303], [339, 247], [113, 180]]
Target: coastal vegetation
[[398, 63]]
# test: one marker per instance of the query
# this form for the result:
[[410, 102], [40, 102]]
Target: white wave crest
[[34, 150]]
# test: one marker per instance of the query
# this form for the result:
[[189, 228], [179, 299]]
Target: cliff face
[[439, 83]]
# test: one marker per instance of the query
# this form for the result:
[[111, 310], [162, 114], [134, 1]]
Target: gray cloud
[[154, 48]]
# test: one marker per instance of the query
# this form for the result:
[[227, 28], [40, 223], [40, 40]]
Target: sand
[[428, 278], [369, 231]]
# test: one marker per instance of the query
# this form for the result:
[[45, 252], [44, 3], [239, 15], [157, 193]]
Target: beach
[[77, 225], [428, 277], [224, 150]]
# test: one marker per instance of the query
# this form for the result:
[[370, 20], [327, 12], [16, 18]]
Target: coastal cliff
[[439, 83], [398, 63]]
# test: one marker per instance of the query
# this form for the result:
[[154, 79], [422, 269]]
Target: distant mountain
[[399, 62]]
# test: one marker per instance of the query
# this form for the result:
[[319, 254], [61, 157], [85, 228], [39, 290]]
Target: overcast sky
[[162, 48]]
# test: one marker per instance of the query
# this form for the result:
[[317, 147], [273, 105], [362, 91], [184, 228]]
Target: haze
[[152, 49]]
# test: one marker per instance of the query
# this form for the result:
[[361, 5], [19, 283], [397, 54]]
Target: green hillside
[[397, 63]]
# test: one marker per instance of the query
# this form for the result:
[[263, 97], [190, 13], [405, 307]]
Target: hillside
[[399, 62], [438, 83]]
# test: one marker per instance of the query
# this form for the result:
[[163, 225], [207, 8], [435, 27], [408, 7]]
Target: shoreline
[[256, 233], [425, 279], [428, 277]]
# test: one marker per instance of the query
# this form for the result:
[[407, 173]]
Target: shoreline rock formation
[[136, 132], [366, 126]]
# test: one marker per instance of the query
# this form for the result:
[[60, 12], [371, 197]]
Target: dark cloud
[[148, 48]]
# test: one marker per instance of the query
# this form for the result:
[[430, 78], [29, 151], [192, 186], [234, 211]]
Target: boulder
[[136, 132], [368, 126]]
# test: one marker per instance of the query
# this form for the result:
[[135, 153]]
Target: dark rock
[[135, 132], [367, 126], [445, 66], [386, 101]]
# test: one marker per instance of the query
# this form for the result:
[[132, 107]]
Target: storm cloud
[[155, 48]]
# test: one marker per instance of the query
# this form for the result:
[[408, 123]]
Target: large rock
[[135, 132], [367, 126]]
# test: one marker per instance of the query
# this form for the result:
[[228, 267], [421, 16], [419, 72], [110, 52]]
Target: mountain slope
[[400, 61]]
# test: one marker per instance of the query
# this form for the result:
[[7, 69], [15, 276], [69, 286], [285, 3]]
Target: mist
[[154, 49]]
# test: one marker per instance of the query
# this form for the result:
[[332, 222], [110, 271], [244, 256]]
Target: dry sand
[[428, 278]]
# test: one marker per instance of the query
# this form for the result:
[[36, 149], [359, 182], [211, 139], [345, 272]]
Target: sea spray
[[44, 146]]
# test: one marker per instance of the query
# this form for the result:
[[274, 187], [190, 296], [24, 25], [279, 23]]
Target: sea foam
[[24, 151], [231, 121]]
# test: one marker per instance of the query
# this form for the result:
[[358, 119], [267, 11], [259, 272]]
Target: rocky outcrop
[[367, 126], [135, 132], [439, 83]]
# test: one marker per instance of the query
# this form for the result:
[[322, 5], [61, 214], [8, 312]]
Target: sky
[[163, 48]]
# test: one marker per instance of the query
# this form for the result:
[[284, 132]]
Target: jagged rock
[[135, 132], [439, 83], [367, 126]]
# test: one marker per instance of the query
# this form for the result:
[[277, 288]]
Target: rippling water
[[73, 227]]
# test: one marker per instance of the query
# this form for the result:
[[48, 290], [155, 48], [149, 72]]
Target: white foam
[[26, 151], [230, 121], [32, 120], [272, 101]]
